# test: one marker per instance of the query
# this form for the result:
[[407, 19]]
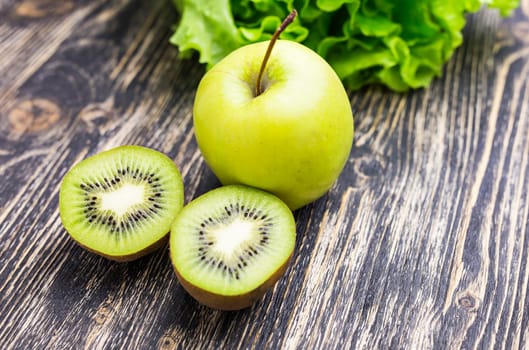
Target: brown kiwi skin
[[232, 302], [127, 258]]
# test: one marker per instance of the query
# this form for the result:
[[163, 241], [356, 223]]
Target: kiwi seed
[[232, 244], [121, 203]]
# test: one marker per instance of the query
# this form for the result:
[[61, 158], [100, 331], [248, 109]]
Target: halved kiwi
[[230, 245], [120, 203]]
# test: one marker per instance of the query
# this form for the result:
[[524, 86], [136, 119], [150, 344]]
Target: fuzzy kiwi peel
[[232, 244], [120, 203]]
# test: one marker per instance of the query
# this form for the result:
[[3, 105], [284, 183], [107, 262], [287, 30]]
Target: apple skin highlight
[[292, 140]]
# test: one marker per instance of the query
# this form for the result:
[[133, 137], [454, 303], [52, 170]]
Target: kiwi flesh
[[120, 203], [232, 244]]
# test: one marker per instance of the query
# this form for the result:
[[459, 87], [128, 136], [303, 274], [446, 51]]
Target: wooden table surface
[[423, 243]]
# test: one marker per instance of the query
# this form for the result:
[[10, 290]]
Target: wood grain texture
[[423, 243]]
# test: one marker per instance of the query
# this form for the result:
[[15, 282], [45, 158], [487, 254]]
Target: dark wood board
[[423, 242]]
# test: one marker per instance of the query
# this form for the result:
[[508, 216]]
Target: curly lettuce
[[401, 44]]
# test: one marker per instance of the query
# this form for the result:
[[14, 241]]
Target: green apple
[[291, 139]]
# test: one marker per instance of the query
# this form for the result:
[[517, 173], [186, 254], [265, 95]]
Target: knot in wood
[[43, 8], [96, 116], [167, 343], [367, 165], [102, 314], [468, 302], [34, 115]]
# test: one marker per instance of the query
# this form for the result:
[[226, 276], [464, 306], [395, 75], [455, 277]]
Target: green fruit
[[293, 139], [120, 203], [230, 245]]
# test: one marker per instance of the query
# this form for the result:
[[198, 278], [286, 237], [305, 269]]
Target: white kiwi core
[[231, 236], [122, 199]]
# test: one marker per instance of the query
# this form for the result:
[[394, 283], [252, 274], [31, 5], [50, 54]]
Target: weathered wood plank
[[422, 243]]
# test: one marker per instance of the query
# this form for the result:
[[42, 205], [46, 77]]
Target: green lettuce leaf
[[401, 44], [207, 27]]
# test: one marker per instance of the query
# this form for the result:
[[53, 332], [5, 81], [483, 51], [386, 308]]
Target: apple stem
[[289, 19]]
